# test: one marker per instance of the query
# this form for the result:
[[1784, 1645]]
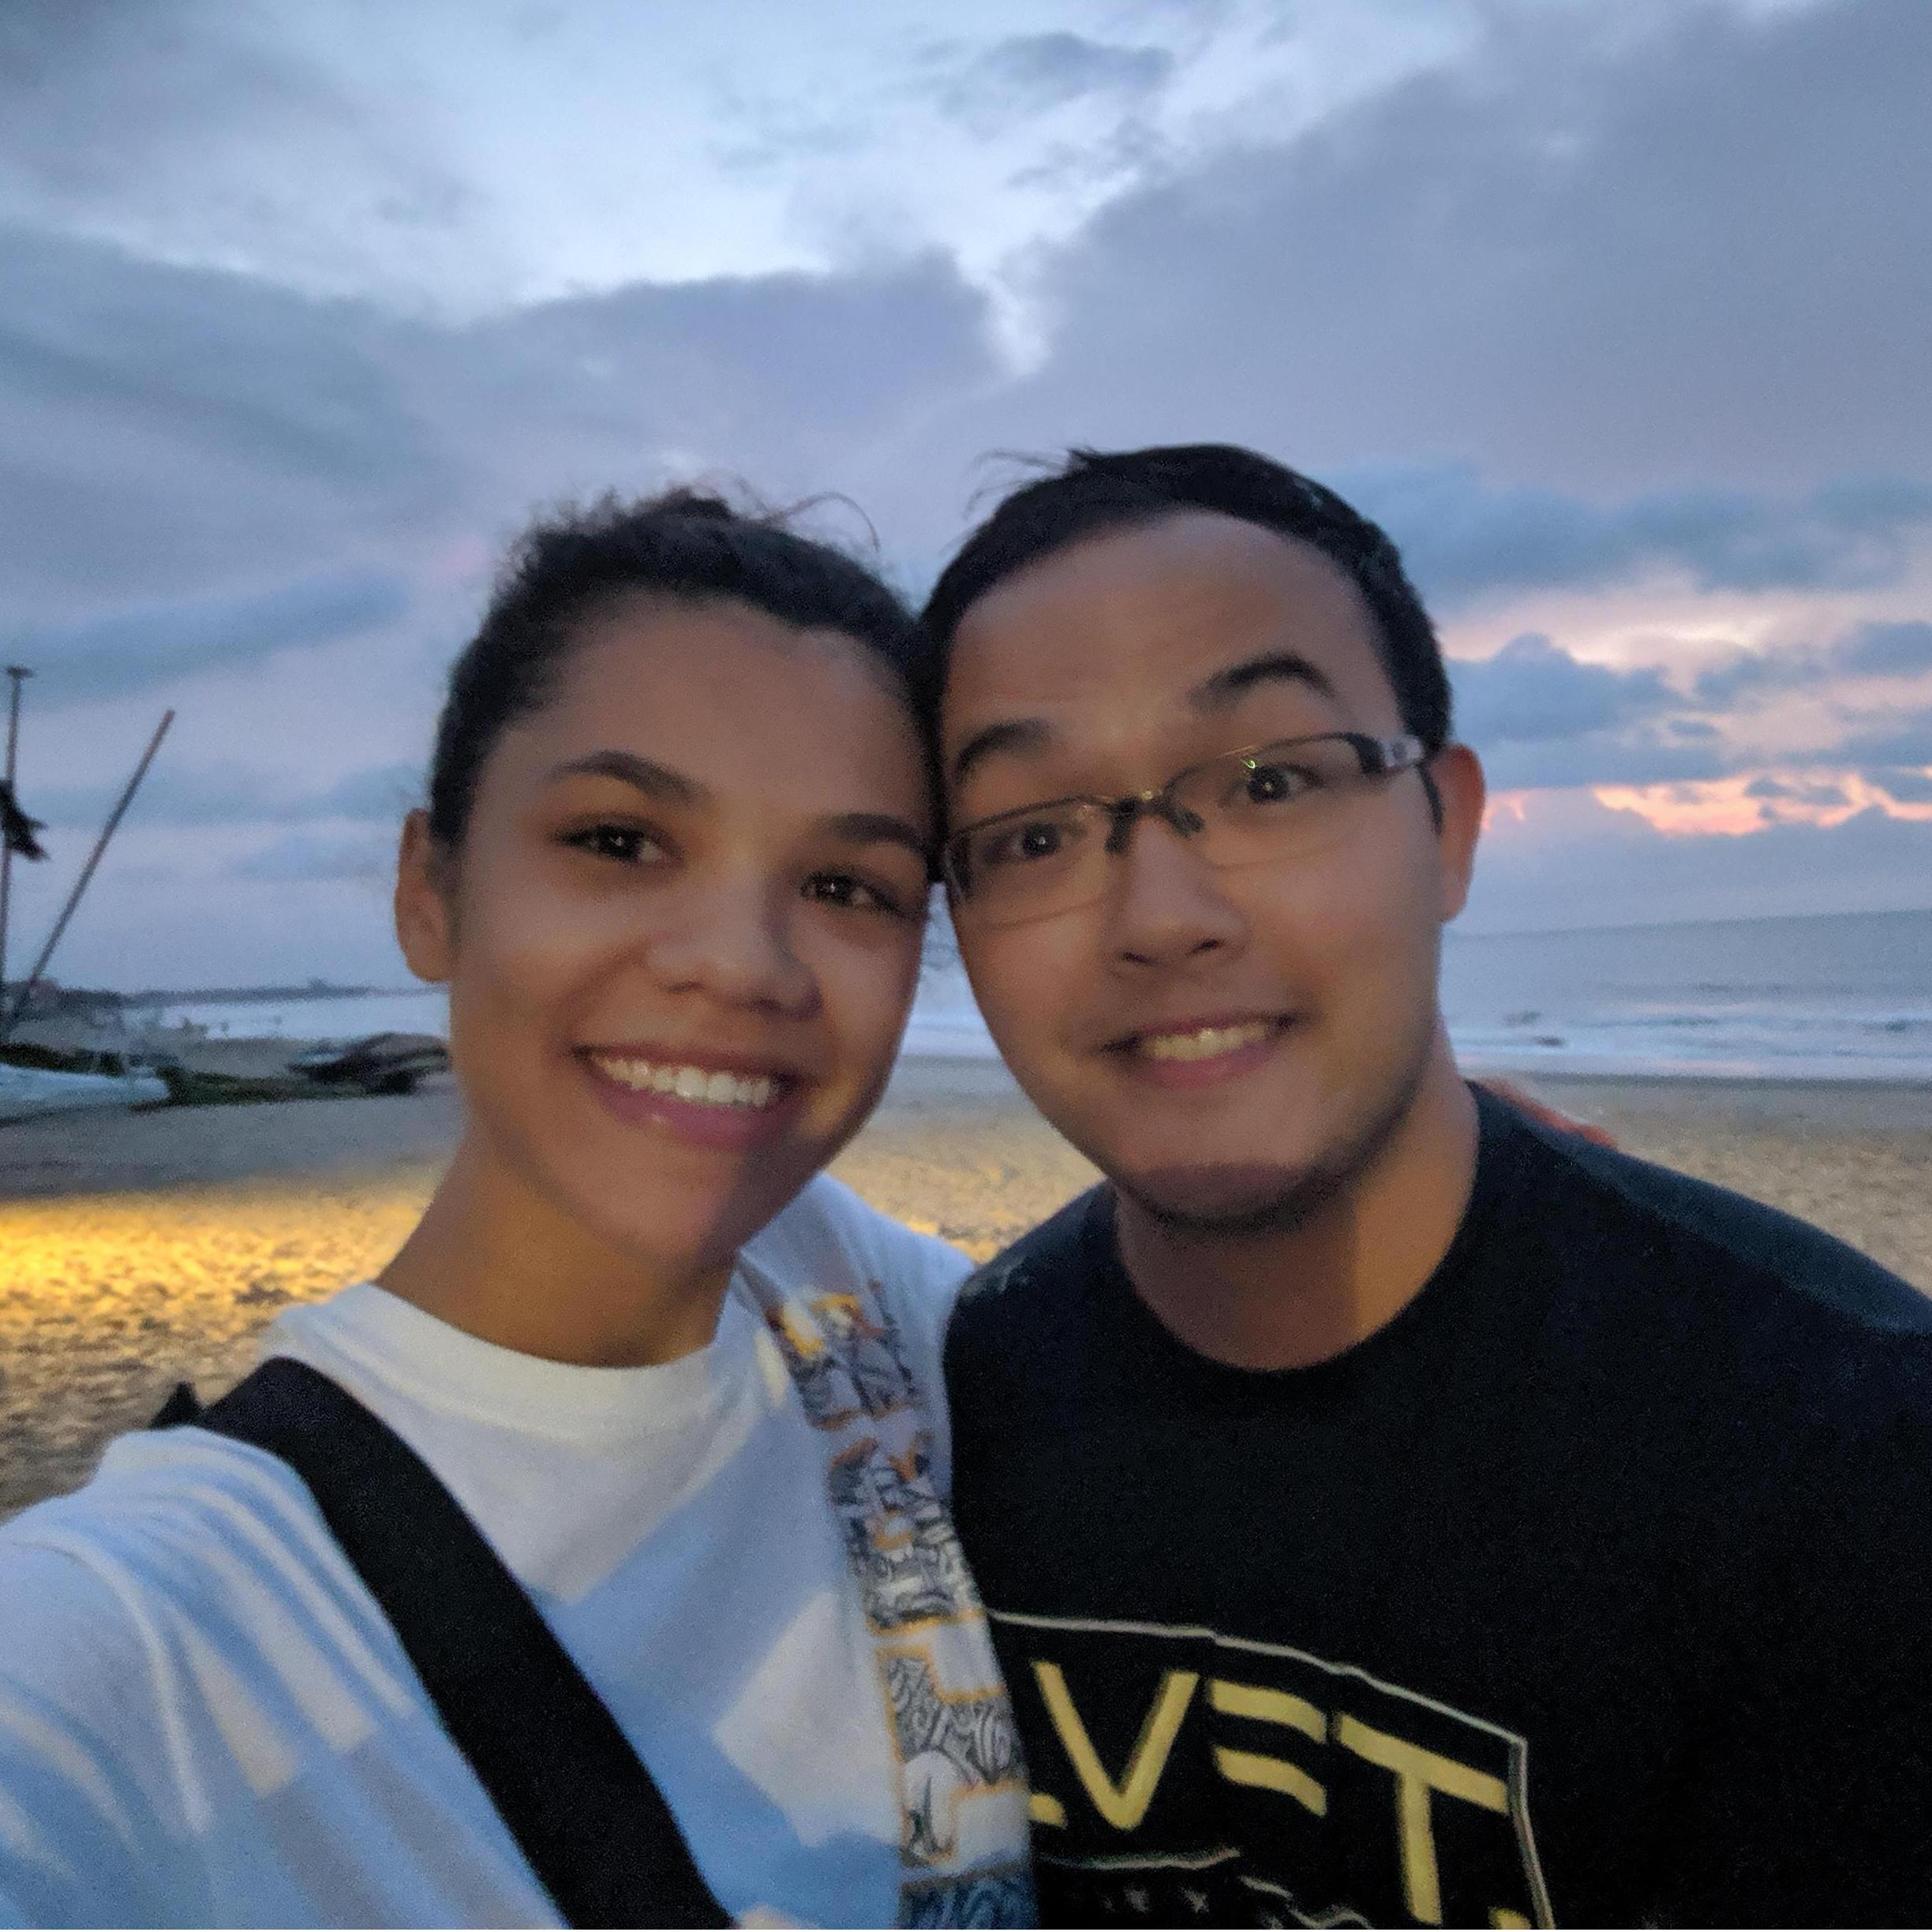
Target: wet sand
[[137, 1249]]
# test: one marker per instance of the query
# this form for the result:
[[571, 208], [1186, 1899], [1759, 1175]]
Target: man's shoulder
[[1028, 1283], [1637, 1218]]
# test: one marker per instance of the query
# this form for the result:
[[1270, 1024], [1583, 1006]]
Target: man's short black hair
[[1097, 490]]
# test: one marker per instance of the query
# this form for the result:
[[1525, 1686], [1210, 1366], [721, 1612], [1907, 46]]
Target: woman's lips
[[729, 1106]]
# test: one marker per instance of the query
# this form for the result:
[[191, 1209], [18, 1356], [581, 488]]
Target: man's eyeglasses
[[1279, 802]]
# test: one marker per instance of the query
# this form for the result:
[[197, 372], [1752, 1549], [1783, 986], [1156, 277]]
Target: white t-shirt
[[205, 1719]]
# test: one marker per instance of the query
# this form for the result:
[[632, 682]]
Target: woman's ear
[[424, 893]]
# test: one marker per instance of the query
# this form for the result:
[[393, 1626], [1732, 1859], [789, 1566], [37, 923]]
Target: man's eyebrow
[[1218, 692], [1010, 735], [862, 828], [655, 780]]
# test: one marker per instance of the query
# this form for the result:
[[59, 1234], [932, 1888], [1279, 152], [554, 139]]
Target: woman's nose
[[735, 943]]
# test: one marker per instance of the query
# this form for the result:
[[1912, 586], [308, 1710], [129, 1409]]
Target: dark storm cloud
[[116, 115], [176, 433], [1462, 540], [1641, 757], [1879, 649], [169, 429], [139, 648], [212, 794], [1907, 787], [1902, 738], [1530, 690], [1542, 717], [1701, 255]]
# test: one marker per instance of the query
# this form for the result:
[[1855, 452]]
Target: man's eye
[[1021, 844], [626, 844], [842, 889], [1273, 785]]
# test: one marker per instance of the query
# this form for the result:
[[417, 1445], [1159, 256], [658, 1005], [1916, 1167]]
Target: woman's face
[[683, 929]]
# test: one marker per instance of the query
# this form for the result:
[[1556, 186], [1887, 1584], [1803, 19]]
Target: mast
[[19, 674], [14, 1012]]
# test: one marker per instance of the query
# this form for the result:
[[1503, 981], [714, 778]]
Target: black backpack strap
[[578, 1799]]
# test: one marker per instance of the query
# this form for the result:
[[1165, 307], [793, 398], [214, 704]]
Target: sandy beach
[[144, 1248]]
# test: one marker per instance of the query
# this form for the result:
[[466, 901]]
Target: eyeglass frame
[[1381, 757]]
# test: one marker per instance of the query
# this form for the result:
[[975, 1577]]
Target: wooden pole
[[20, 674], [80, 885]]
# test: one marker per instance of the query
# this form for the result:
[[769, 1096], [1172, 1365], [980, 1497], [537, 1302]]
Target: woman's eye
[[626, 844], [841, 888]]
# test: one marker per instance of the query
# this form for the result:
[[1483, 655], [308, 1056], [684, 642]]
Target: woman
[[674, 870]]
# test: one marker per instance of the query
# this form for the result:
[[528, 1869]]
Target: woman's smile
[[732, 1102]]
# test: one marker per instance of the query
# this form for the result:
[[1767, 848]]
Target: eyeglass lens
[[1280, 803]]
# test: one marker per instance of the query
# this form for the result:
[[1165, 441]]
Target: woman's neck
[[495, 1260]]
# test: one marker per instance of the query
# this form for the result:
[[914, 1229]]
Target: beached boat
[[26, 1093], [383, 1063]]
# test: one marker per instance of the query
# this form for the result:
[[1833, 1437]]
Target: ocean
[[1841, 997]]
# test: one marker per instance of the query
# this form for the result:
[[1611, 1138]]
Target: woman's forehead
[[730, 694]]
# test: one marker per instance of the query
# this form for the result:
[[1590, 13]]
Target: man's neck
[[1287, 1298]]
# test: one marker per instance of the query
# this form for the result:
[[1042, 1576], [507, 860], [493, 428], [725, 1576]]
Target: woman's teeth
[[1204, 1043], [688, 1083]]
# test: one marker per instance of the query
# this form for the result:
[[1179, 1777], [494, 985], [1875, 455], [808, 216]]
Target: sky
[[1613, 311]]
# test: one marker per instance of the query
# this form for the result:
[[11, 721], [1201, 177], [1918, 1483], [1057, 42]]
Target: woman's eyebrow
[[655, 780], [877, 827]]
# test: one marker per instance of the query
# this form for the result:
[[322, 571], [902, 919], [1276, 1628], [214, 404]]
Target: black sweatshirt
[[1596, 1589]]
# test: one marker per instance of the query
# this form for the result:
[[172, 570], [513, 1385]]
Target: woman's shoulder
[[829, 1240], [184, 1545]]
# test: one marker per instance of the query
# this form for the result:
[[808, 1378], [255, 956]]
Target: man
[[1390, 1511]]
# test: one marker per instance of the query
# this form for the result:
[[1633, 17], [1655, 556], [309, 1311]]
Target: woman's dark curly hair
[[569, 569]]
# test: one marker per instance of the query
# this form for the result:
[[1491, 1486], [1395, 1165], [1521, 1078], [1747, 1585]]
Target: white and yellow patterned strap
[[963, 1795]]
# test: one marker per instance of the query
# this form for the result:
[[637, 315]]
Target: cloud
[[307, 856], [1541, 717], [173, 433], [1696, 253], [1887, 650], [138, 648], [227, 794], [1907, 787], [1462, 539], [1531, 689], [94, 97], [1573, 862], [1797, 792], [1025, 75], [1903, 738]]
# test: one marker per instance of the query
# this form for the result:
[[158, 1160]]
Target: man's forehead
[[1171, 601]]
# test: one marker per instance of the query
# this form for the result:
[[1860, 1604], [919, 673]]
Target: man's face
[[1227, 1043]]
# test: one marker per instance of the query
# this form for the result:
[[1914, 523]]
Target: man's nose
[[1166, 902], [734, 942]]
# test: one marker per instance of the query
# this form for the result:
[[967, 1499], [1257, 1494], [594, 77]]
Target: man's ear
[[1458, 776], [425, 896]]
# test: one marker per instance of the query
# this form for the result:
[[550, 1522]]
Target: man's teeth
[[1204, 1043], [689, 1083]]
